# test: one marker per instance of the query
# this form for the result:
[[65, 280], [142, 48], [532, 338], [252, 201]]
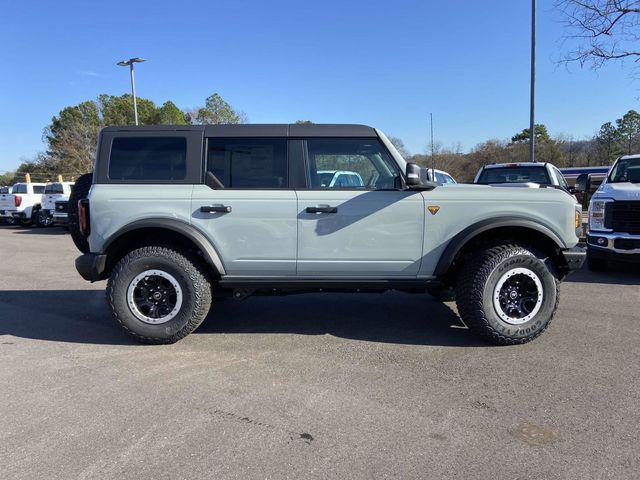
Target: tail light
[[83, 216], [17, 200]]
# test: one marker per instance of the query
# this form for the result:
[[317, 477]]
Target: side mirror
[[413, 174], [583, 183]]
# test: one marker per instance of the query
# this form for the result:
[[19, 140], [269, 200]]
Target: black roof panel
[[259, 130]]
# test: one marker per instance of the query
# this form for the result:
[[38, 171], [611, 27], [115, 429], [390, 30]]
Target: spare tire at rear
[[79, 191]]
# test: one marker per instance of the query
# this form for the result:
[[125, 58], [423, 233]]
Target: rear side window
[[248, 162], [38, 189], [148, 158]]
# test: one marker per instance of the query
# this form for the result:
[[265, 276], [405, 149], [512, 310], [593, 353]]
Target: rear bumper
[[60, 218], [575, 257], [91, 266]]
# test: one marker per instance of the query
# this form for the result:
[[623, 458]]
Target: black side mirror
[[413, 174], [583, 183]]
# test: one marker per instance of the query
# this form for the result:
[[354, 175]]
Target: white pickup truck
[[523, 174], [614, 215], [23, 204], [54, 203]]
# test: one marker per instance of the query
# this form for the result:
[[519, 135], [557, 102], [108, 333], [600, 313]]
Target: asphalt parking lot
[[309, 386]]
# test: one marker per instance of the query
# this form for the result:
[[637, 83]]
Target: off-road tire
[[192, 278], [596, 264], [479, 277], [79, 191]]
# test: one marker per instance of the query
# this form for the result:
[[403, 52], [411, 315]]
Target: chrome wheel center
[[518, 296], [154, 297]]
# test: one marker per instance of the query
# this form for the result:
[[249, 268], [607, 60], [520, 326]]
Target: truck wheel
[[159, 295], [596, 264], [79, 191], [506, 294]]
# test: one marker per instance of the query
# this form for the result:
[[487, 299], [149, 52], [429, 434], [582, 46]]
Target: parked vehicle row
[[39, 204]]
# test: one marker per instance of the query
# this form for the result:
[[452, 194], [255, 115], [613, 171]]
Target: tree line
[[71, 137], [620, 137]]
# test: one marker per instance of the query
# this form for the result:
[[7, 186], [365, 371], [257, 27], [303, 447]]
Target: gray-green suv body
[[175, 217]]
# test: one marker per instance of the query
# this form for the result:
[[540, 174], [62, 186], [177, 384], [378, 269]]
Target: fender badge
[[433, 209]]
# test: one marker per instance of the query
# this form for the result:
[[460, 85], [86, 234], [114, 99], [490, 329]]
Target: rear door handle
[[322, 209], [215, 208]]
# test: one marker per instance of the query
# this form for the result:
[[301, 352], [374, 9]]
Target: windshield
[[625, 170], [517, 174]]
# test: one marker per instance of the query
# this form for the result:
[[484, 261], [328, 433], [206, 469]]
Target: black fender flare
[[462, 238], [192, 233]]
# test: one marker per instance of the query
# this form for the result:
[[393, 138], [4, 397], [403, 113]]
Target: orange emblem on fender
[[433, 209]]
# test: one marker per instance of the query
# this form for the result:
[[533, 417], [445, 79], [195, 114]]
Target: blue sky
[[386, 64]]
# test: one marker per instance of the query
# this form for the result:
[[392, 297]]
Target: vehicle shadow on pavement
[[617, 274], [40, 231], [392, 317], [78, 316], [82, 316]]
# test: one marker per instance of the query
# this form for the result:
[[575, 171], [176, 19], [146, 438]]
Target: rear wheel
[[79, 191], [506, 294], [159, 295]]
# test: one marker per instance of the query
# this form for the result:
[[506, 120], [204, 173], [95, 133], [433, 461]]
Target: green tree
[[540, 134], [72, 138], [170, 114], [628, 130], [217, 111], [608, 142], [303, 122], [119, 110]]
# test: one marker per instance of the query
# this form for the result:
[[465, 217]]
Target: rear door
[[246, 207], [371, 230]]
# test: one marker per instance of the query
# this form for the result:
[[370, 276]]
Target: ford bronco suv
[[175, 217]]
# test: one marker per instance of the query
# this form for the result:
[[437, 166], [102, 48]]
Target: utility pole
[[532, 123], [129, 63], [433, 158]]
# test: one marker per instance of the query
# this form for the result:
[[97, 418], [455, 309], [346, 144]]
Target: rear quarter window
[[148, 158]]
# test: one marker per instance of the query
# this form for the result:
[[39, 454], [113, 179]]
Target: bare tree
[[599, 31]]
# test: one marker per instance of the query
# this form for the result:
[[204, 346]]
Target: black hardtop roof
[[258, 130]]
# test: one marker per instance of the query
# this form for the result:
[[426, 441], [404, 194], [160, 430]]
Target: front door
[[353, 220], [245, 207]]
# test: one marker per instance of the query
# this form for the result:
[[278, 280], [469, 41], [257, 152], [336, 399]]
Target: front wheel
[[159, 295], [506, 294]]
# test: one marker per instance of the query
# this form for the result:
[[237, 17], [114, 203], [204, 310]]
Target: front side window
[[255, 163], [350, 163], [148, 158], [38, 189]]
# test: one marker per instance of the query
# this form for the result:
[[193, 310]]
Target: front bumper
[[620, 243], [91, 266], [574, 257]]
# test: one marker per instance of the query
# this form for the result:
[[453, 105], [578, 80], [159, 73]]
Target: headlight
[[596, 214]]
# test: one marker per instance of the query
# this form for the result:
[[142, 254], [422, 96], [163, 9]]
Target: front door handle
[[322, 209], [215, 208]]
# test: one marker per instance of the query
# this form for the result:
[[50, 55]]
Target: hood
[[619, 191]]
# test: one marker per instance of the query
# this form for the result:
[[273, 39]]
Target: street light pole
[[532, 124], [129, 63]]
